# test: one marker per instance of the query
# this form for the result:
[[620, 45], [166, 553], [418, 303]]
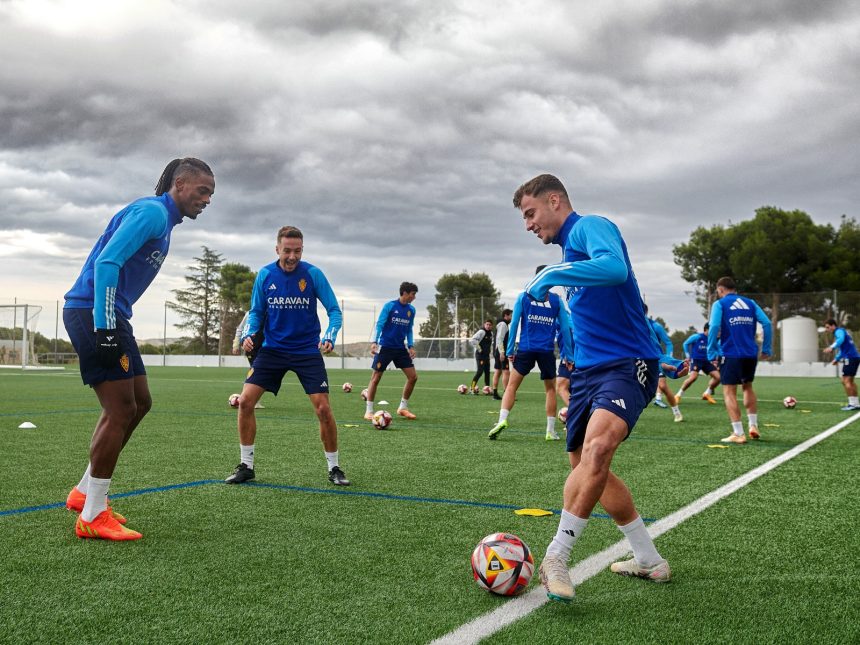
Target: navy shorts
[[400, 356], [563, 372], [271, 365], [81, 329], [849, 367], [624, 387], [525, 361], [702, 365], [737, 370], [497, 361]]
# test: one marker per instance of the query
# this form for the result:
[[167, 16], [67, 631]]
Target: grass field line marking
[[515, 609]]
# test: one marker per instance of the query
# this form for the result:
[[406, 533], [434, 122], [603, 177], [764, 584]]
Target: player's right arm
[[257, 312], [376, 343], [514, 326], [716, 320], [688, 345]]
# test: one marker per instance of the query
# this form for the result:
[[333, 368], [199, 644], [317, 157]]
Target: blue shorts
[[271, 365], [702, 365], [624, 387], [737, 370], [400, 356], [849, 367], [563, 372], [525, 361], [81, 329]]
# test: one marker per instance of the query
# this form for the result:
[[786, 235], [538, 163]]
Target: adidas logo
[[739, 304], [272, 287], [323, 384], [620, 403], [569, 532]]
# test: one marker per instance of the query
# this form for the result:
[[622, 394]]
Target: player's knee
[[122, 413], [144, 405]]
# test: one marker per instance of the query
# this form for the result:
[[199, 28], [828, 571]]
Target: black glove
[[108, 348]]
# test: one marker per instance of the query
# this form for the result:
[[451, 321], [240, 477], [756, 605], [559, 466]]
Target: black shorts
[[849, 367], [497, 361], [737, 370], [702, 365], [271, 366], [400, 356], [525, 361], [81, 328]]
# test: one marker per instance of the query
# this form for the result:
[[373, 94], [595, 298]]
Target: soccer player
[[536, 322], [848, 353], [500, 359], [696, 350], [120, 267], [482, 341], [613, 380], [666, 347], [284, 306], [237, 346], [392, 341], [733, 324]]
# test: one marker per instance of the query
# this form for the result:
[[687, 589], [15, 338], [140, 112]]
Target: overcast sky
[[395, 133]]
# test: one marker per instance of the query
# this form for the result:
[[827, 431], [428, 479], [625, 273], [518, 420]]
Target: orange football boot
[[406, 414], [104, 527], [76, 500]]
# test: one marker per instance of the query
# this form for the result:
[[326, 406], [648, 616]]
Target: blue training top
[[696, 346], [125, 259], [537, 323], [605, 303], [733, 320], [287, 302], [843, 341], [394, 326], [664, 342]]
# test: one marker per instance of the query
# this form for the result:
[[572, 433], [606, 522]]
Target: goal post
[[17, 334]]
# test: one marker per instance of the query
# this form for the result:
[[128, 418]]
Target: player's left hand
[[326, 347], [766, 357], [411, 352]]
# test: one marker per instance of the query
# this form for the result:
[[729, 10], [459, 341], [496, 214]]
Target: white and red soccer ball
[[347, 387], [502, 564], [789, 402], [462, 388], [233, 401], [364, 394], [562, 415], [487, 390], [381, 419]]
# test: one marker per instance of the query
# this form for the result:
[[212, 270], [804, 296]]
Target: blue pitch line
[[301, 489]]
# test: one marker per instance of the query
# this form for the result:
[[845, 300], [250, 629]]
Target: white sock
[[96, 498], [247, 455], [753, 419], [503, 414], [659, 396], [404, 404], [738, 428], [676, 410], [331, 458], [369, 406], [853, 400], [570, 527], [644, 551], [709, 391], [550, 424], [85, 480]]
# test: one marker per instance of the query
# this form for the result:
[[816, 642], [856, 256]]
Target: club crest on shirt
[[408, 314], [302, 284], [123, 362]]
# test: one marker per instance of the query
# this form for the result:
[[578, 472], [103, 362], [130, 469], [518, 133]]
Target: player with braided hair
[[121, 266]]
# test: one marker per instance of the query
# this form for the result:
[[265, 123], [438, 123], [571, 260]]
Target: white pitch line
[[517, 608]]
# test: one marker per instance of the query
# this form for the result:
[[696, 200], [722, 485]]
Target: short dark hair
[[727, 282], [408, 287], [289, 231], [831, 321], [706, 327], [505, 312], [537, 186], [540, 268], [178, 168], [489, 320]]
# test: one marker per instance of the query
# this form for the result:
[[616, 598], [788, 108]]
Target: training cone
[[27, 425]]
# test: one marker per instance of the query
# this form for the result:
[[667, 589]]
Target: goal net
[[18, 334]]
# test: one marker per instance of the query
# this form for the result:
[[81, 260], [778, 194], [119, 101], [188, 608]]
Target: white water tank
[[799, 340]]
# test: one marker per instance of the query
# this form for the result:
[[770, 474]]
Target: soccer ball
[[381, 419], [562, 415], [502, 564], [462, 388], [487, 390], [233, 401], [347, 387], [789, 402], [364, 394]]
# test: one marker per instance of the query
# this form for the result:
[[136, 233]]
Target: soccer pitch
[[291, 558]]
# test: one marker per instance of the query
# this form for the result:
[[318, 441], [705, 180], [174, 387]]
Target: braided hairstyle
[[177, 168]]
